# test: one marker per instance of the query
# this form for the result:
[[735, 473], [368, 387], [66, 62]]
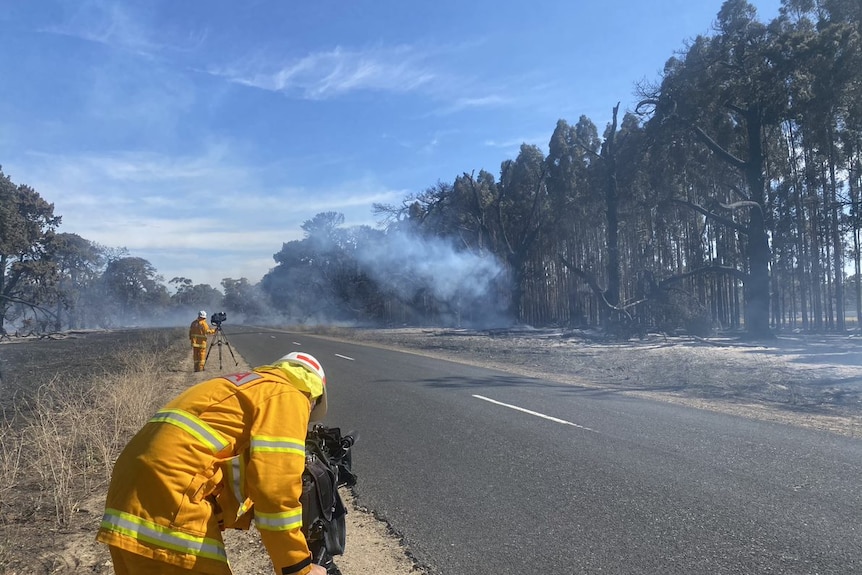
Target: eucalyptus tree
[[320, 278], [27, 227], [135, 294], [506, 218], [298, 286], [290, 285], [726, 91], [245, 300], [79, 264], [521, 214], [818, 54], [577, 227], [352, 279], [473, 200], [189, 296], [595, 193], [462, 211]]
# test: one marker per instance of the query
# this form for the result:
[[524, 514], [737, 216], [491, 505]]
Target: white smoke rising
[[409, 263]]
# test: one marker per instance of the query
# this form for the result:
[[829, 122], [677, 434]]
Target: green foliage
[[319, 278], [245, 299], [190, 297], [27, 224], [134, 290]]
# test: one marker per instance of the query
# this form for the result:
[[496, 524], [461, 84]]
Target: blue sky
[[200, 135]]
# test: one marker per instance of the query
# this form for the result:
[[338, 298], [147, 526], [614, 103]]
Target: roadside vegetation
[[64, 423]]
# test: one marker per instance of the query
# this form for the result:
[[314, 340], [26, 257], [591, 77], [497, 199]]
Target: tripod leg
[[210, 348], [221, 338], [230, 349]]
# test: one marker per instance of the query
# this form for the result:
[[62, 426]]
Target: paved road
[[483, 472]]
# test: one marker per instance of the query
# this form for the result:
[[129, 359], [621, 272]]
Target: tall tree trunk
[[757, 286], [857, 256], [837, 244], [612, 294]]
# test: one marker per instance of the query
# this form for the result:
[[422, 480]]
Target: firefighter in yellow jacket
[[225, 451], [198, 332]]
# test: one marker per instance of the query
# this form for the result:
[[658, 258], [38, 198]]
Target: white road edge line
[[536, 413], [344, 357]]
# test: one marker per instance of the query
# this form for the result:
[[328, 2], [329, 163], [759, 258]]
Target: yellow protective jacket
[[233, 442], [198, 332]]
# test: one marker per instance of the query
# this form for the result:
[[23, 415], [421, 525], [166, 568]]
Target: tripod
[[220, 339]]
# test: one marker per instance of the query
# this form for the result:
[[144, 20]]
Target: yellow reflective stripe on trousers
[[194, 425], [264, 443], [161, 536], [282, 521]]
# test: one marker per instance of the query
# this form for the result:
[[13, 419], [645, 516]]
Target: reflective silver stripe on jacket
[[164, 537], [265, 443], [235, 471], [194, 425], [282, 521]]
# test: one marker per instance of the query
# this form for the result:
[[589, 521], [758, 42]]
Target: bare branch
[[726, 270], [715, 147], [712, 215]]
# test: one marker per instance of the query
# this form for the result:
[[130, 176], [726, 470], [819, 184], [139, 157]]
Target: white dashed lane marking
[[536, 413]]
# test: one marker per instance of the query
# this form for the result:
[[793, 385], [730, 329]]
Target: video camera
[[218, 317], [328, 461]]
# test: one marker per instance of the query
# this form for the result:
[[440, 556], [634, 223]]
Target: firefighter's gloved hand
[[318, 570]]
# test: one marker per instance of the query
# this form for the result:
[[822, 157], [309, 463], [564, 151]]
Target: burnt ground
[[32, 540], [26, 363]]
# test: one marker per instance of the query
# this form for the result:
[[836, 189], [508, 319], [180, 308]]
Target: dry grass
[[65, 431]]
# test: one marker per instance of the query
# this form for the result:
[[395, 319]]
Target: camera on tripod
[[219, 317]]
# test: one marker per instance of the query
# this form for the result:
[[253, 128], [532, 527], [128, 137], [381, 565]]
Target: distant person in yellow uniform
[[224, 451], [198, 332]]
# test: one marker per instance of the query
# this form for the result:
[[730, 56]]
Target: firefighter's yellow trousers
[[199, 356], [128, 563]]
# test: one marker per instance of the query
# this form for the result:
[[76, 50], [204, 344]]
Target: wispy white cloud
[[121, 25], [328, 74], [513, 145], [481, 102], [175, 210]]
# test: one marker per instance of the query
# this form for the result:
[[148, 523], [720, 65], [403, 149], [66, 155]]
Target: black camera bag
[[327, 467]]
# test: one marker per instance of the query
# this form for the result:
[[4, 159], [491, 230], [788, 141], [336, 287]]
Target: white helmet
[[202, 314], [316, 387]]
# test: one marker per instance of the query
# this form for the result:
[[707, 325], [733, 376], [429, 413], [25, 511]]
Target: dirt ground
[[811, 381]]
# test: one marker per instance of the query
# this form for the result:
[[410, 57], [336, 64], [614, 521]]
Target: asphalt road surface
[[483, 472]]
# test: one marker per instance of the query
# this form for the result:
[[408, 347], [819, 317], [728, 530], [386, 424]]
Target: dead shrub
[[73, 428], [11, 459]]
